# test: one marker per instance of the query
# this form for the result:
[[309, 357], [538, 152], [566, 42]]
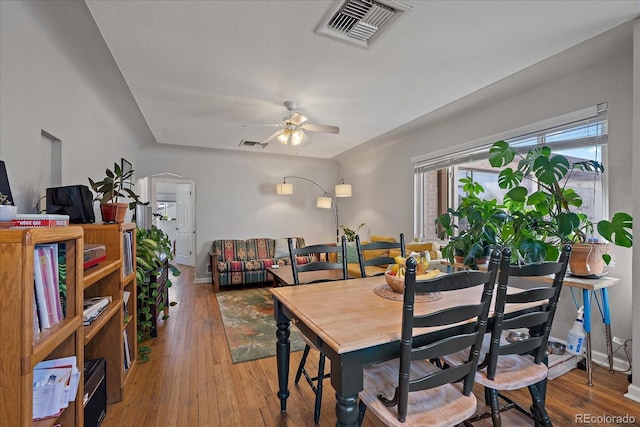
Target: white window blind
[[586, 127]]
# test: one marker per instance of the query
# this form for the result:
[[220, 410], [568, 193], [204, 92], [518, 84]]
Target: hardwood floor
[[191, 381]]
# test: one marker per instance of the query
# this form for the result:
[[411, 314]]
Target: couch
[[240, 262], [353, 265]]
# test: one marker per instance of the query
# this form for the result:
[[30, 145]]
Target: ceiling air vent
[[360, 22], [245, 143]]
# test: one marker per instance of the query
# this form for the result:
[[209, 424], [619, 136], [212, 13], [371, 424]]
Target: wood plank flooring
[[191, 381]]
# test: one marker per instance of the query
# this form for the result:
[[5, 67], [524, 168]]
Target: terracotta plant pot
[[113, 212], [586, 259]]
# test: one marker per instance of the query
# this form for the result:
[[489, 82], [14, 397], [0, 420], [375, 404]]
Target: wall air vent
[[245, 143], [360, 22]]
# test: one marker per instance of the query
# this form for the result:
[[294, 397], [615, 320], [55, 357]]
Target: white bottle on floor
[[576, 336]]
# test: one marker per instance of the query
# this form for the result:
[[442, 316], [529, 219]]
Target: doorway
[[173, 205]]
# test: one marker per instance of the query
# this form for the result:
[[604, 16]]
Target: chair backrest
[[473, 318], [377, 246], [323, 263], [538, 320]]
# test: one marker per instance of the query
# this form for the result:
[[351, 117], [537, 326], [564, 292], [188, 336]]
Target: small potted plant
[[7, 210], [109, 191], [350, 233]]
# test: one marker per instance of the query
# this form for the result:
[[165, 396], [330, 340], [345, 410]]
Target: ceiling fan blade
[[272, 136], [320, 128], [297, 119], [271, 125]]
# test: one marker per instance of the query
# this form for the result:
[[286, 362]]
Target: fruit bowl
[[395, 282]]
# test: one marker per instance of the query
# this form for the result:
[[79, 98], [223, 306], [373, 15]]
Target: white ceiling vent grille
[[245, 143], [360, 22]]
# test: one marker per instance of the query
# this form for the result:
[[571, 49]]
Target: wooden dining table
[[354, 327]]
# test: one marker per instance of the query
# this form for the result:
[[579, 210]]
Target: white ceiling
[[200, 70]]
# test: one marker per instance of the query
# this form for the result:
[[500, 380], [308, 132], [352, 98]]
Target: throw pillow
[[352, 253], [282, 248]]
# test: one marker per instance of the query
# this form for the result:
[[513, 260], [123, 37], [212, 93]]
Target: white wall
[[58, 76], [235, 194], [599, 70]]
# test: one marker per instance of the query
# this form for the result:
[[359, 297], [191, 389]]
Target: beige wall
[[600, 70]]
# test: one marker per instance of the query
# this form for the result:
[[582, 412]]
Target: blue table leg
[[606, 319], [586, 300]]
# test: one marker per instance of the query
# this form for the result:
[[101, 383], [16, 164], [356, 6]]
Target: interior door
[[185, 237]]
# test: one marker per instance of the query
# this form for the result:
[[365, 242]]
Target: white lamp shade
[[343, 190], [284, 189], [323, 202]]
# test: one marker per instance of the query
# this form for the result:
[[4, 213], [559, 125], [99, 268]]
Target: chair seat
[[441, 406], [527, 371]]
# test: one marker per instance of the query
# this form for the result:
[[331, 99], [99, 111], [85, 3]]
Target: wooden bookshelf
[[21, 350], [104, 338]]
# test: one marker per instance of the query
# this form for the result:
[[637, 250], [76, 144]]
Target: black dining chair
[[320, 253], [380, 256], [426, 395], [511, 364]]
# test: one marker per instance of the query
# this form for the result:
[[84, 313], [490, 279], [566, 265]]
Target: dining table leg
[[283, 348], [346, 410]]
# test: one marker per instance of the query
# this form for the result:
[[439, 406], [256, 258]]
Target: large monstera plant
[[542, 219]]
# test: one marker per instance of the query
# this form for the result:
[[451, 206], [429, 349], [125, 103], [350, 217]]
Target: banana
[[431, 274]]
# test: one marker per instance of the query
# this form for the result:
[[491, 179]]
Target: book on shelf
[[127, 262], [125, 299], [55, 384], [94, 254], [47, 286], [93, 307], [39, 220], [127, 353]]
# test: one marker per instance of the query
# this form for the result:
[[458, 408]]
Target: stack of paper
[[55, 384]]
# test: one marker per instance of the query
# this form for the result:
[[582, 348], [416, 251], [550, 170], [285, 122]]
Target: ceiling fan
[[292, 129]]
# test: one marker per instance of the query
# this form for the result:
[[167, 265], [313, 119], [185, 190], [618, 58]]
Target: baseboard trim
[[633, 393], [202, 280]]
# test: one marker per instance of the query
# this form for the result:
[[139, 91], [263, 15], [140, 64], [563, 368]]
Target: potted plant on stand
[[541, 219], [153, 253], [109, 191]]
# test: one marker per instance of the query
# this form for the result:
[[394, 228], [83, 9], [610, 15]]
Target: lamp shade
[[343, 190], [323, 202], [284, 189]]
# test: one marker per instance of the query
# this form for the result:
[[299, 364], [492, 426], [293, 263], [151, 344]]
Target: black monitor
[[4, 183], [73, 200]]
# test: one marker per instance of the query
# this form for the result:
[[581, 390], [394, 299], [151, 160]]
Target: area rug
[[249, 325]]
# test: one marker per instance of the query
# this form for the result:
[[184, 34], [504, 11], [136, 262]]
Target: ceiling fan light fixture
[[296, 137], [284, 136]]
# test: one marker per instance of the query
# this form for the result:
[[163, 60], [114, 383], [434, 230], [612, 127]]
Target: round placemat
[[386, 292]]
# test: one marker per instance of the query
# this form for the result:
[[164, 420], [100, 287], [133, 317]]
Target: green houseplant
[[484, 219], [350, 233], [541, 220], [153, 247], [110, 189]]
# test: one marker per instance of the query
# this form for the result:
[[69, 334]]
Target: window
[[437, 179]]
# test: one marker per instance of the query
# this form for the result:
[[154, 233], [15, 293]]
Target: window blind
[[586, 127]]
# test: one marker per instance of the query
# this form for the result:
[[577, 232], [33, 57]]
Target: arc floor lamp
[[326, 201]]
